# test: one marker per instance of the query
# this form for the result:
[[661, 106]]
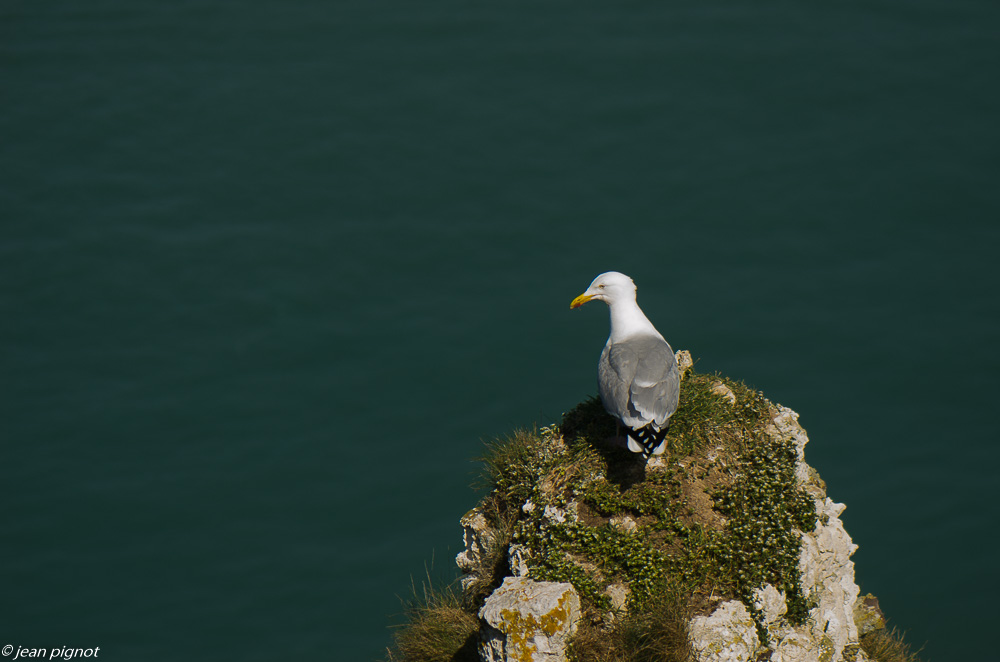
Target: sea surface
[[272, 272]]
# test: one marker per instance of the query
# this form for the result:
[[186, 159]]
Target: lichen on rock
[[868, 616], [529, 621]]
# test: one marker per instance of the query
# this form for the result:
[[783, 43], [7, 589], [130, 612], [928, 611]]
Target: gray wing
[[639, 381]]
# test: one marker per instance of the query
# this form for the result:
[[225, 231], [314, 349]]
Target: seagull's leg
[[619, 441]]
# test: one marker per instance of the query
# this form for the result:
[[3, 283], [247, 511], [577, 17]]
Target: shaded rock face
[[476, 536], [868, 615], [528, 621]]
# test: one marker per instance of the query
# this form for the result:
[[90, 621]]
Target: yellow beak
[[580, 300]]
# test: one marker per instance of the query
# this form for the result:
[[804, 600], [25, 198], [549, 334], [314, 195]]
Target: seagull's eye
[[601, 286]]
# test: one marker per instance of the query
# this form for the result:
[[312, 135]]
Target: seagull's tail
[[647, 440]]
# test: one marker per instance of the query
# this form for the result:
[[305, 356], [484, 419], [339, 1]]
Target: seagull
[[637, 375]]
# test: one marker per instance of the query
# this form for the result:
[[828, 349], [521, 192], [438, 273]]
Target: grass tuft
[[885, 645], [438, 629], [656, 634]]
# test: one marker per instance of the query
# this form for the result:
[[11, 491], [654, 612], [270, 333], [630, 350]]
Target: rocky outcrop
[[476, 535], [527, 619]]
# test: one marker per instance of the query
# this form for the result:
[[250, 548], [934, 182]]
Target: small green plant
[[766, 511]]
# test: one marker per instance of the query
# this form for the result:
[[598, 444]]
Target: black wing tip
[[649, 438]]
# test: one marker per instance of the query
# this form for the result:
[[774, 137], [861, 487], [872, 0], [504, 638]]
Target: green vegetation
[[887, 645], [717, 516], [656, 634], [719, 519], [438, 629]]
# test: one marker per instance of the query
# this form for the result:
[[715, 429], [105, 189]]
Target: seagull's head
[[609, 288]]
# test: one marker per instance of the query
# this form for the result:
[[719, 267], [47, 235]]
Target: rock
[[868, 616], [518, 556], [656, 463], [828, 579], [770, 602], [854, 653], [625, 523], [618, 593], [786, 426], [795, 647], [724, 391], [476, 534], [684, 362], [557, 515], [728, 635], [528, 621]]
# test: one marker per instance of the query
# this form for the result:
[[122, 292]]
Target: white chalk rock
[[825, 569], [624, 523], [518, 556], [476, 534], [684, 362], [828, 578], [770, 602], [724, 391], [727, 635], [528, 621], [796, 647], [786, 426], [618, 592]]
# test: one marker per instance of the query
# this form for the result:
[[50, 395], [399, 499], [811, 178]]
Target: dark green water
[[270, 272]]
